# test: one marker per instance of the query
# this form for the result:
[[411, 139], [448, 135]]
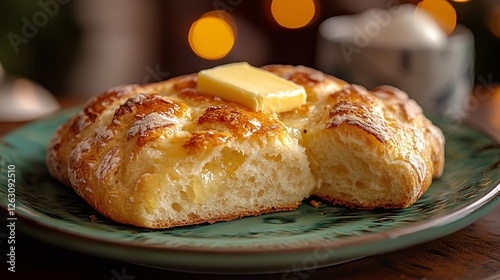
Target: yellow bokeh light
[[460, 1], [494, 21], [293, 13], [211, 36], [442, 11]]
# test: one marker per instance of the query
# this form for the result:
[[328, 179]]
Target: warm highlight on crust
[[238, 121], [356, 107], [132, 148]]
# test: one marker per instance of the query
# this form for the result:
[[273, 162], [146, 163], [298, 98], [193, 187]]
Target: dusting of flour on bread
[[149, 122], [108, 163]]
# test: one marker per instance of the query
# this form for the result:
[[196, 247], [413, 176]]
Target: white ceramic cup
[[438, 76]]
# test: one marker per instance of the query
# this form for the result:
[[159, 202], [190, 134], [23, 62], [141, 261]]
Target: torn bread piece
[[368, 149]]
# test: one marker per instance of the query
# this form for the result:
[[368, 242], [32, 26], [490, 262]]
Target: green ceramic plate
[[281, 242]]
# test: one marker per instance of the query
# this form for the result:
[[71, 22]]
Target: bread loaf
[[163, 154]]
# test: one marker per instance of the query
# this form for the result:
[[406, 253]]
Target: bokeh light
[[293, 13], [494, 21], [494, 114], [460, 1], [442, 11], [213, 35]]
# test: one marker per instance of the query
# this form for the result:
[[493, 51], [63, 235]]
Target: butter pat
[[252, 87]]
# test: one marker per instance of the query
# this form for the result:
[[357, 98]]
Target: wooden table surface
[[470, 253]]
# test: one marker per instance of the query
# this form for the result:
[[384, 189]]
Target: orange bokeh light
[[293, 13], [494, 21], [212, 36], [442, 11]]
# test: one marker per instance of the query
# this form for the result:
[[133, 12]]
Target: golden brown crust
[[112, 137], [238, 121], [356, 107], [229, 217]]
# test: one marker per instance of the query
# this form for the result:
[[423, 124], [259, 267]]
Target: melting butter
[[252, 87]]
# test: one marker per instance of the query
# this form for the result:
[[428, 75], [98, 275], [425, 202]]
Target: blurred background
[[80, 47]]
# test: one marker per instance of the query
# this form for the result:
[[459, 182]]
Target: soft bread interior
[[354, 170], [225, 183], [368, 152]]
